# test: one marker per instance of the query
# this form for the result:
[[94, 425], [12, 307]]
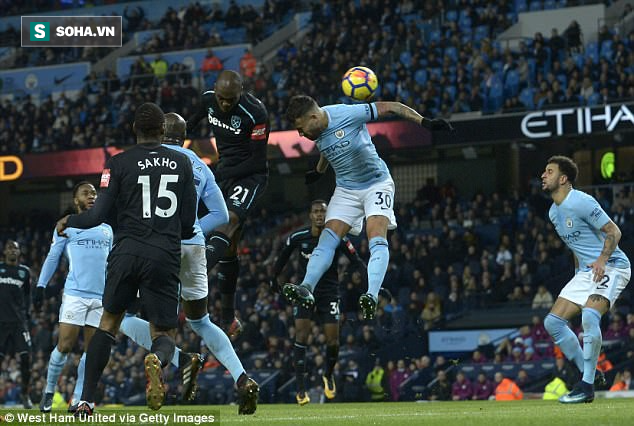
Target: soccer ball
[[359, 83]]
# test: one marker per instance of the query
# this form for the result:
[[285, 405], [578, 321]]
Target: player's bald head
[[228, 89], [175, 129], [229, 81]]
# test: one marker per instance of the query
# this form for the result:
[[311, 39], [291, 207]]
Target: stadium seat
[[594, 99], [406, 59], [535, 5], [434, 35], [592, 51], [550, 4], [481, 32], [512, 83], [452, 91], [451, 16], [452, 53], [578, 58], [464, 23], [420, 76], [606, 49], [520, 6], [526, 98]]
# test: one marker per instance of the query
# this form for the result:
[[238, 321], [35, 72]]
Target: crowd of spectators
[[457, 68], [450, 255], [190, 27]]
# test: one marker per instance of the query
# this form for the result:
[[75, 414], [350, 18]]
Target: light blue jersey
[[578, 221], [206, 190], [347, 146], [87, 253]]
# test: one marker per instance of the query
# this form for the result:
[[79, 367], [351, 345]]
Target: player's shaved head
[[299, 106], [304, 114], [228, 89], [175, 129], [149, 121]]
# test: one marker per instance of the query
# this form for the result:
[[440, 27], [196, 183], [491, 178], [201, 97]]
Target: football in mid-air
[[359, 83]]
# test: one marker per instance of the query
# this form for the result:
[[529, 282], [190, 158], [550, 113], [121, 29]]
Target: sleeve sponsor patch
[[596, 213], [105, 178], [259, 132]]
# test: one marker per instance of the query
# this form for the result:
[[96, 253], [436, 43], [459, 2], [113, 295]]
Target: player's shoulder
[[300, 234], [253, 106], [207, 95], [580, 199], [25, 268]]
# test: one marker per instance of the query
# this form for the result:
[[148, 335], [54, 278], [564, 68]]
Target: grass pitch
[[607, 412]]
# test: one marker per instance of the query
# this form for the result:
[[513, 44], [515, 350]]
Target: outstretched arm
[[397, 108]]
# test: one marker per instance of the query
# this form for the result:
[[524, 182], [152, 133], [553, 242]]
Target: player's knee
[[553, 324], [195, 309], [329, 238], [378, 244], [590, 318], [64, 346]]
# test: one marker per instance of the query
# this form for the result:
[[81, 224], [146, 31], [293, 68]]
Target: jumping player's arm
[[281, 261], [315, 174], [200, 113], [215, 203], [99, 213], [403, 111], [285, 254], [351, 253], [322, 165], [189, 204], [574, 257]]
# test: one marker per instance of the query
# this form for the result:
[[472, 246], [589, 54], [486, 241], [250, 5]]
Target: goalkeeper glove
[[435, 124], [312, 176]]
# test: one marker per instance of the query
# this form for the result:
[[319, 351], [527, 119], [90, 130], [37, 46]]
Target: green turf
[[601, 412]]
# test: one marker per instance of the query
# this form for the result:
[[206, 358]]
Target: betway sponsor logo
[[575, 121], [11, 281], [215, 122]]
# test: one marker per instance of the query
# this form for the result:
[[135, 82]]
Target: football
[[359, 83]]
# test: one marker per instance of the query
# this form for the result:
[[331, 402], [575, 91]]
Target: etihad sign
[[575, 121]]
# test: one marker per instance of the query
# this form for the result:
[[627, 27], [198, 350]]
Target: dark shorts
[[325, 310], [156, 282], [14, 338], [243, 194]]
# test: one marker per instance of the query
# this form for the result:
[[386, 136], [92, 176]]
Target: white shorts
[[581, 286], [80, 311], [351, 206], [193, 275]]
